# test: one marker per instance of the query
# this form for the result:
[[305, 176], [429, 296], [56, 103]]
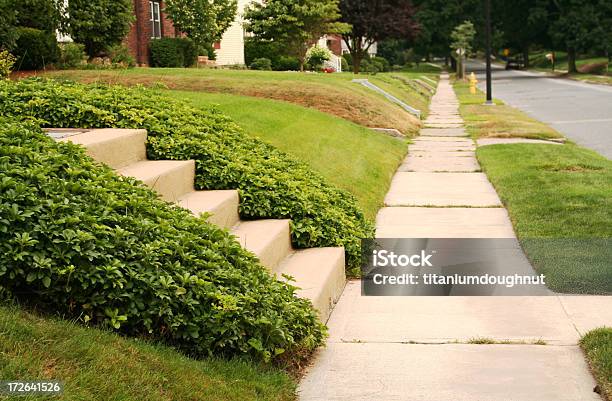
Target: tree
[[438, 18], [295, 24], [8, 18], [375, 20], [98, 24], [576, 25], [38, 14], [203, 21], [519, 31], [462, 38]]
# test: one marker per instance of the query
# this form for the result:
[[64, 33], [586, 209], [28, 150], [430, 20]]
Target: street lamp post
[[488, 50]]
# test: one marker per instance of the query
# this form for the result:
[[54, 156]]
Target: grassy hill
[[97, 365], [351, 157], [331, 93]]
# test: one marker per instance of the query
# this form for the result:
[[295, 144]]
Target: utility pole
[[488, 50]]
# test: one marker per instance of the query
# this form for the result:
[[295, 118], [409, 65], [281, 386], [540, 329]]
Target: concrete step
[[169, 178], [221, 205], [117, 148], [269, 240], [319, 273]]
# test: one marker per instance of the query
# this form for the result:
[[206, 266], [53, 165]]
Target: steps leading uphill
[[318, 272]]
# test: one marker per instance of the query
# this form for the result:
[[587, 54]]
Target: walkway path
[[417, 348]]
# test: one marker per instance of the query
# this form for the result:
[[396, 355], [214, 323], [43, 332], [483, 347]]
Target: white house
[[230, 50]]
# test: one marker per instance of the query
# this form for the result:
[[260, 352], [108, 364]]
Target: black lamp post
[[488, 50]]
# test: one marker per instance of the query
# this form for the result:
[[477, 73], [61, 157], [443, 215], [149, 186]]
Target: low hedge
[[35, 49], [173, 52], [271, 183], [79, 240]]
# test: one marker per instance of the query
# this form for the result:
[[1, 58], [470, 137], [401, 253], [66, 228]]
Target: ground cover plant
[[558, 196], [597, 346], [330, 93], [77, 239], [351, 157], [271, 184], [97, 365]]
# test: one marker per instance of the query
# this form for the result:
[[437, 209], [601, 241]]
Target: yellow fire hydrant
[[473, 82]]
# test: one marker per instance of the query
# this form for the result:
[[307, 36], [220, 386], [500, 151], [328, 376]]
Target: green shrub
[[120, 54], [344, 65], [261, 64], [190, 51], [271, 183], [316, 56], [286, 63], [173, 52], [166, 52], [72, 55], [78, 239], [7, 61], [35, 49], [381, 63]]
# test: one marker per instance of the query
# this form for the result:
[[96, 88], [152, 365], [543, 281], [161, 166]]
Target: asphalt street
[[582, 112]]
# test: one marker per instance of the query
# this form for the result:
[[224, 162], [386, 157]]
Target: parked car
[[515, 63]]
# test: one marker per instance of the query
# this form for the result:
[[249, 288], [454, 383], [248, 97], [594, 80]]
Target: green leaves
[[79, 240]]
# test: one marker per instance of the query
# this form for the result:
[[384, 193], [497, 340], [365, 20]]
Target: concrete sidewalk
[[421, 348]]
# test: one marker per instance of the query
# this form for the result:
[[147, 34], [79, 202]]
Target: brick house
[[150, 23]]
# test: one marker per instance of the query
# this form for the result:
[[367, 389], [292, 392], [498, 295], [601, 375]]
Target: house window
[[155, 20]]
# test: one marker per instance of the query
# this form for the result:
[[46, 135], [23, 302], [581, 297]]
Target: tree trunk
[[526, 56], [357, 57], [571, 60], [554, 60]]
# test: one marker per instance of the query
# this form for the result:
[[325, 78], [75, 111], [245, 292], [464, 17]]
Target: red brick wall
[[335, 44], [139, 36]]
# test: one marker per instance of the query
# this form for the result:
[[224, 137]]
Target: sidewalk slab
[[440, 164], [588, 312], [441, 189], [429, 222], [441, 146], [437, 139], [441, 153], [459, 372], [434, 319], [460, 132], [443, 125]]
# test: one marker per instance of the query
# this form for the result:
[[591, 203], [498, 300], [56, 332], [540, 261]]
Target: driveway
[[582, 112]]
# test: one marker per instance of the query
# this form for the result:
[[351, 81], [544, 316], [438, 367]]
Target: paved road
[[582, 112]]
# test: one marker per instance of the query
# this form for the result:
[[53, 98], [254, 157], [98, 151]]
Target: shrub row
[[173, 52], [80, 240], [271, 183]]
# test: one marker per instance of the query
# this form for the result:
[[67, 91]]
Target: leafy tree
[[8, 19], [518, 28], [98, 24], [295, 24], [438, 18], [462, 38], [203, 21], [576, 25], [38, 14], [373, 21]]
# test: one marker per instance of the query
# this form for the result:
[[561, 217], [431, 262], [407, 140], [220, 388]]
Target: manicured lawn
[[331, 93], [597, 345], [352, 157], [559, 198], [97, 365], [499, 120]]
